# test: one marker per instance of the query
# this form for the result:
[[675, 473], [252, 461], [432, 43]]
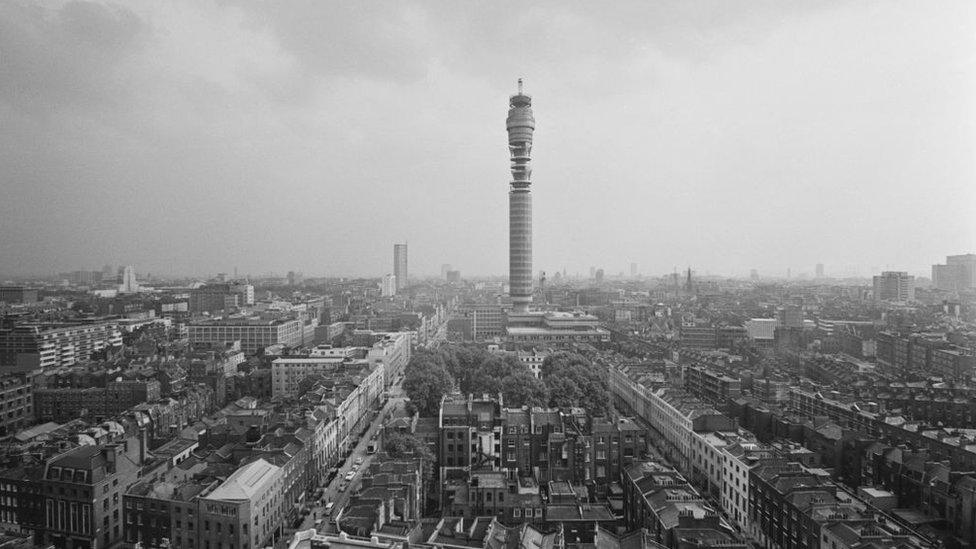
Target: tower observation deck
[[520, 125]]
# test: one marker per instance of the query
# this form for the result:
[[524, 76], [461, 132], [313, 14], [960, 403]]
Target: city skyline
[[734, 305], [781, 134]]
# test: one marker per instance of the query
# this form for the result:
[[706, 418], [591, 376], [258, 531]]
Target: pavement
[[331, 491]]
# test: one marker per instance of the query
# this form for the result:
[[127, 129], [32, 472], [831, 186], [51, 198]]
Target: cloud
[[70, 58]]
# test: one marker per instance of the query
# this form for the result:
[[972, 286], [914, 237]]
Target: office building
[[400, 265], [25, 347], [84, 489], [487, 320], [552, 328], [213, 298], [247, 508], [388, 285], [520, 125], [127, 280], [958, 273], [16, 404], [790, 316], [253, 333], [13, 295], [820, 270], [897, 286], [698, 335]]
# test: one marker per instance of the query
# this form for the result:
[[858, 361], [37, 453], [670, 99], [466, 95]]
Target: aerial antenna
[[520, 86]]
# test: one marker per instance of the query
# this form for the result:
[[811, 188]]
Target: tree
[[426, 382], [404, 445], [524, 389], [487, 377], [463, 361], [573, 381], [563, 392]]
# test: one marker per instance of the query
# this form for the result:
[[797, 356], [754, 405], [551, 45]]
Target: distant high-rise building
[[599, 275], [894, 286], [820, 270], [754, 275], [790, 316], [17, 294], [454, 277], [592, 272], [388, 286], [958, 273], [220, 296], [633, 269], [400, 265], [445, 268], [520, 125], [108, 271], [295, 278], [789, 273], [127, 280]]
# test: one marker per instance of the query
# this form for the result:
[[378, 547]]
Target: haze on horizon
[[199, 136]]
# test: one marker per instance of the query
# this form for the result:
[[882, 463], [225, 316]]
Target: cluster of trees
[[426, 379], [568, 379], [573, 381]]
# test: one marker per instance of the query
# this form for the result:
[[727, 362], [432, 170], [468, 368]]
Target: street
[[331, 491]]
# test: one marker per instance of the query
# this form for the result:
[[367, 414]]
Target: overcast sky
[[193, 137]]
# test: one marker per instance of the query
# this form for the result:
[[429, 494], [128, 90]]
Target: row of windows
[[71, 517]]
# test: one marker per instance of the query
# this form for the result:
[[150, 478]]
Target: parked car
[[350, 475], [329, 506], [359, 461]]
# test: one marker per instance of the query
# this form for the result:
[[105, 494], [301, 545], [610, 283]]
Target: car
[[359, 461], [350, 475], [329, 506]]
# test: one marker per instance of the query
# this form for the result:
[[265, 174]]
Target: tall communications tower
[[520, 125]]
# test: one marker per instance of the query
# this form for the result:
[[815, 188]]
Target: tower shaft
[[520, 125]]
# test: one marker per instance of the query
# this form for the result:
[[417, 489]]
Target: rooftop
[[246, 482]]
